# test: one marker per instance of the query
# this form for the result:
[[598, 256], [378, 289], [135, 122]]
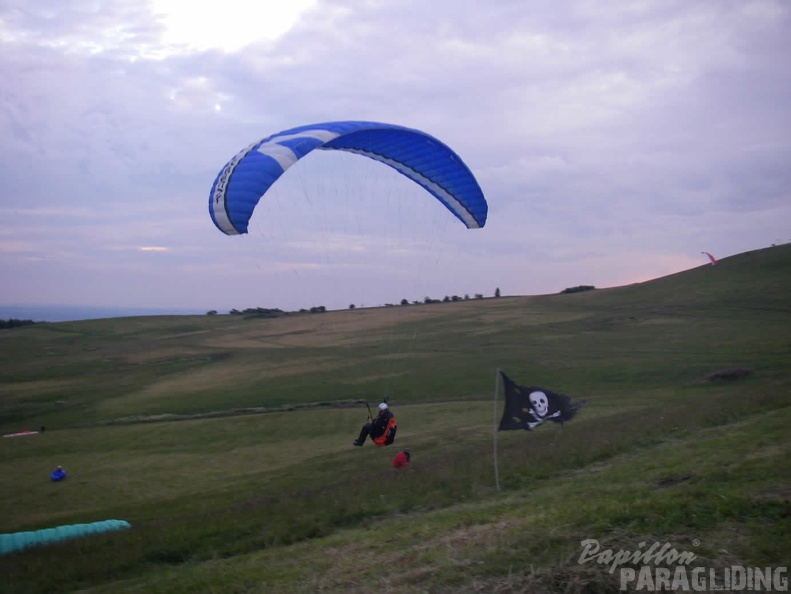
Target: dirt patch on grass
[[673, 480], [35, 388], [216, 377], [371, 378], [360, 326], [776, 493], [769, 451], [317, 330], [731, 374]]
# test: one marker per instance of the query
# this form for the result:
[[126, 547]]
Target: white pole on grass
[[494, 431]]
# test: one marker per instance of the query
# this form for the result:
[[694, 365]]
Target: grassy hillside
[[226, 442]]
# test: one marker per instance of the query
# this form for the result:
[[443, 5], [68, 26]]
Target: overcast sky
[[614, 142]]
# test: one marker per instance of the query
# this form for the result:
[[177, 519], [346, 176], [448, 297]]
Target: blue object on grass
[[16, 541]]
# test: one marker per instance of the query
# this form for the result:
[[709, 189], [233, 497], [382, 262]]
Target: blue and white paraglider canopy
[[422, 158]]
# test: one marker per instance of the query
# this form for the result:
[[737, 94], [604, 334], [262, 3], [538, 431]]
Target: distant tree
[[211, 312], [351, 306], [318, 309], [577, 289], [14, 323], [478, 296], [445, 299], [466, 297], [235, 312], [263, 312], [497, 292], [404, 302]]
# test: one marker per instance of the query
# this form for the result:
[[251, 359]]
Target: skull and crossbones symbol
[[539, 407], [539, 404]]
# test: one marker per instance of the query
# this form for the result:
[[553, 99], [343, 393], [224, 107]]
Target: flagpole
[[494, 431]]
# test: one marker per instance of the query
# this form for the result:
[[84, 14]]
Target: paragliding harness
[[382, 435], [386, 438]]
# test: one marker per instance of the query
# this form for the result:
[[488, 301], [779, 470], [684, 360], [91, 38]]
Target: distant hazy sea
[[67, 313]]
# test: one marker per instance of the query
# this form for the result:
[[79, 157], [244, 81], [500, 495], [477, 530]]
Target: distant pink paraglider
[[21, 434], [711, 258]]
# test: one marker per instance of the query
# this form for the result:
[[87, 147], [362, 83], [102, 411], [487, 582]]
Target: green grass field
[[226, 442]]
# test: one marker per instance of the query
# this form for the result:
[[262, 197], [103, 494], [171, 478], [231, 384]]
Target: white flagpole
[[494, 432]]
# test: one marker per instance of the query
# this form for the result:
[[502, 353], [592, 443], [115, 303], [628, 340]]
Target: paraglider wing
[[711, 258], [17, 541], [417, 155]]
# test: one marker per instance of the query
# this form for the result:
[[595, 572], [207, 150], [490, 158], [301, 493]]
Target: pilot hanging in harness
[[382, 429]]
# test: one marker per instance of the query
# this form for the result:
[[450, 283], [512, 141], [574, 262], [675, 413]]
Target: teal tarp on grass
[[16, 541]]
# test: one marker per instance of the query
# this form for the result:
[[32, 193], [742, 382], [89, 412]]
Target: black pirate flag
[[529, 407]]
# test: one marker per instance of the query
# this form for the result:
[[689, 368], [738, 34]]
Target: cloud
[[613, 142]]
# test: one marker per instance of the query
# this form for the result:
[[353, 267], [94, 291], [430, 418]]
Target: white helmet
[[383, 406]]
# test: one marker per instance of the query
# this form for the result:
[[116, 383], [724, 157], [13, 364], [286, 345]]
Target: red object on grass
[[401, 459]]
